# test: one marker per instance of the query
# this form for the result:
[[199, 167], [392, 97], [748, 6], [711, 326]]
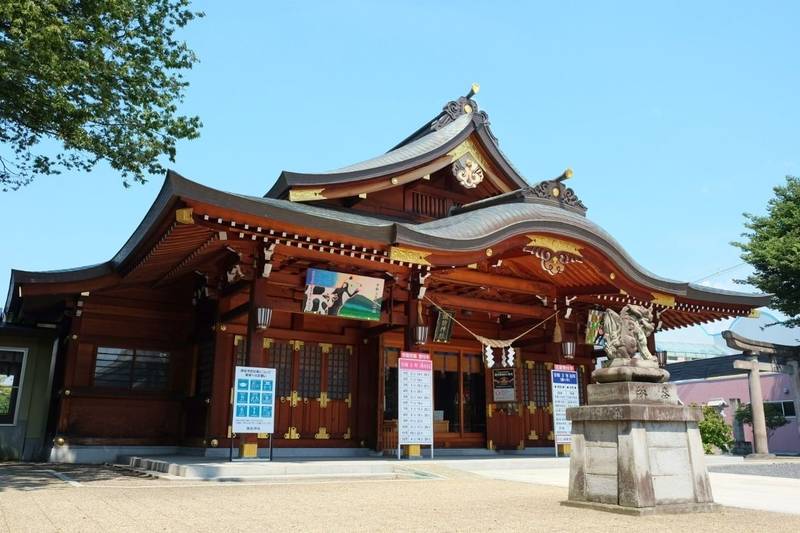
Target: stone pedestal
[[637, 450]]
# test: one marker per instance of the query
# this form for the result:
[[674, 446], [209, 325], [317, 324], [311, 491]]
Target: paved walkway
[[761, 492], [98, 499]]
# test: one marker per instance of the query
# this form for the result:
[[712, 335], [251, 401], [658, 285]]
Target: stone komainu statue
[[626, 333]]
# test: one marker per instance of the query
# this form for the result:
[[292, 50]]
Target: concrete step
[[202, 468]]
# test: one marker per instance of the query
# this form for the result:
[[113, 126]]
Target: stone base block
[[681, 508], [759, 456], [638, 457], [638, 370]]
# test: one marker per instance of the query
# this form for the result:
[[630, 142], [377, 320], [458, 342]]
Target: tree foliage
[[773, 249], [773, 416], [102, 78], [714, 431]]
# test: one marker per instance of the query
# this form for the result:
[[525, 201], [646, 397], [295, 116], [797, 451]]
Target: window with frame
[[132, 369], [785, 408], [11, 362], [541, 385], [280, 357], [310, 370], [338, 372]]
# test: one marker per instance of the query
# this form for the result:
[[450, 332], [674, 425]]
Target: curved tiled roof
[[421, 146], [467, 231]]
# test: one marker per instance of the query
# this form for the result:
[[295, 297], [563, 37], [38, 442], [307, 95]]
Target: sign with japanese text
[[565, 394], [254, 400], [503, 386], [415, 398]]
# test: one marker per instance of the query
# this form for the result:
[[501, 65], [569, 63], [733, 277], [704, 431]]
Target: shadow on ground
[[35, 476]]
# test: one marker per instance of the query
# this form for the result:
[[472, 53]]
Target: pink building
[[715, 382]]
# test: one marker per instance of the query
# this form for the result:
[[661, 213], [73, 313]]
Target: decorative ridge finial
[[473, 90]]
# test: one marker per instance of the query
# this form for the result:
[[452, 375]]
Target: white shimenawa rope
[[494, 343]]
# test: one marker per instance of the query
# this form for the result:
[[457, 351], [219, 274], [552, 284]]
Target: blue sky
[[676, 117]]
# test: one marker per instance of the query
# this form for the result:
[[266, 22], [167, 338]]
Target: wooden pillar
[[255, 336]]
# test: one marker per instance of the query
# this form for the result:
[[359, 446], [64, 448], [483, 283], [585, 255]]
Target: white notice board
[[415, 398], [565, 394], [254, 400]]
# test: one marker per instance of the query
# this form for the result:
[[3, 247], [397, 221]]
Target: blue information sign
[[254, 400]]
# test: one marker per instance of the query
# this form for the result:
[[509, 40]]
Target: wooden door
[[505, 429], [314, 383], [537, 403]]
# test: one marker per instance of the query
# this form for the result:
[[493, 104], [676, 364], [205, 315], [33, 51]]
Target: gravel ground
[[107, 499], [779, 469]]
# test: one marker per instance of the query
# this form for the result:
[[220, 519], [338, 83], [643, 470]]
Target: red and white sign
[[558, 366], [415, 398]]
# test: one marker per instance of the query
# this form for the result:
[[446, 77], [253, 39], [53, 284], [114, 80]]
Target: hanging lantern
[[568, 349], [264, 317], [421, 334]]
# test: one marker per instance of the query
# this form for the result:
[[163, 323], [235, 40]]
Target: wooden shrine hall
[[430, 247]]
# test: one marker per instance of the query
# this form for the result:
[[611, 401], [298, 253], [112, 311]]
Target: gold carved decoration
[[294, 398], [296, 345], [348, 400], [325, 347], [306, 195], [184, 216], [407, 255], [521, 445], [551, 436], [267, 343], [550, 408], [533, 435], [667, 300], [468, 147], [554, 254], [322, 434], [554, 245], [489, 410], [292, 434], [323, 400], [531, 407], [237, 340], [346, 434], [490, 445]]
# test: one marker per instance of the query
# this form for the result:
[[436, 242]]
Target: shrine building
[[439, 245]]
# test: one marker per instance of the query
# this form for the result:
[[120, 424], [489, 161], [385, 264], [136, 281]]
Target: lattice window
[[338, 372], [526, 392], [310, 370], [124, 368], [205, 368], [541, 385], [240, 350], [280, 357]]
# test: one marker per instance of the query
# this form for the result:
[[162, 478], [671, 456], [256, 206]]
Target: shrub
[[714, 431]]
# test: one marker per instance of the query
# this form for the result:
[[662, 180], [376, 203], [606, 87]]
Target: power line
[[718, 272]]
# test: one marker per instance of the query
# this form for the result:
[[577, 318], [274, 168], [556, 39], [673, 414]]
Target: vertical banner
[[564, 380], [254, 400], [415, 399]]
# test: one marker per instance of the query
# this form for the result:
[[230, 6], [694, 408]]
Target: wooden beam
[[233, 314], [476, 278], [475, 304]]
